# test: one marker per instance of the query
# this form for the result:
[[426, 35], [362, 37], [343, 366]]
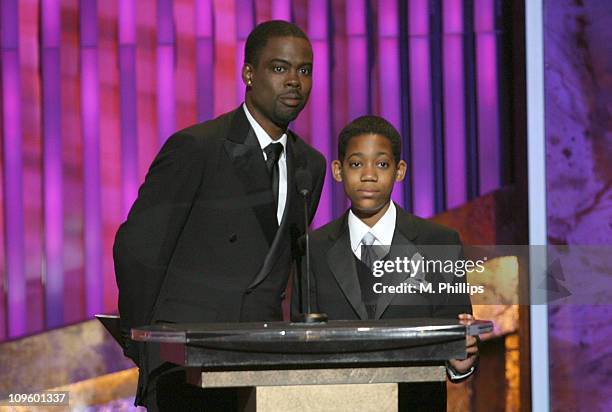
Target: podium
[[332, 366]]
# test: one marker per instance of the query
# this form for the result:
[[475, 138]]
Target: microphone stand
[[309, 317]]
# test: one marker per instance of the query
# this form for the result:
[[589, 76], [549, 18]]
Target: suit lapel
[[401, 247], [404, 236], [248, 163], [342, 264]]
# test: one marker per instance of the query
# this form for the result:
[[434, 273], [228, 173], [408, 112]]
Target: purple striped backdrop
[[357, 59], [14, 275], [165, 69], [245, 21], [420, 108], [281, 10], [320, 104], [53, 272], [127, 100], [487, 97], [90, 125], [362, 51], [454, 100], [204, 29]]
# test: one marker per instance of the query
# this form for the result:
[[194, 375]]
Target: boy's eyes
[[305, 71], [382, 164], [279, 69]]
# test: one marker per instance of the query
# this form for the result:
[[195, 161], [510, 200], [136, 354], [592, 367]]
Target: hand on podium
[[466, 366]]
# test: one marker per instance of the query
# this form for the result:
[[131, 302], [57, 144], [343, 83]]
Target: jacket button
[[233, 238]]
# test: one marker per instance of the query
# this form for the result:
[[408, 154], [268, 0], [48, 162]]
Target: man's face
[[368, 172], [279, 85]]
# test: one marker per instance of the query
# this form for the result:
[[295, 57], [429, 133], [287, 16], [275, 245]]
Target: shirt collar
[[264, 138], [383, 229]]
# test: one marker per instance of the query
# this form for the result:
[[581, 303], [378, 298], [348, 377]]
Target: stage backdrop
[[578, 86], [91, 89]]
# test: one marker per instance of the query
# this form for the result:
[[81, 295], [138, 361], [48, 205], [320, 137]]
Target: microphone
[[303, 182]]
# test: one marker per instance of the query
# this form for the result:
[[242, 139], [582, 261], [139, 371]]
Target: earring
[[249, 82]]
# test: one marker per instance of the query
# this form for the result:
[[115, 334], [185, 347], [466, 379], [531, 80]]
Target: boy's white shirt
[[383, 229]]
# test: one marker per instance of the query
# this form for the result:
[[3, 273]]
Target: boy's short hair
[[370, 125], [262, 32]]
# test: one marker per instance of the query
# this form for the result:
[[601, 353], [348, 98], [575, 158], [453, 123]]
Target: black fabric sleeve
[[145, 242]]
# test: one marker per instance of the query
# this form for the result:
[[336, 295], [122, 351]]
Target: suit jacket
[[200, 243], [336, 291], [335, 287]]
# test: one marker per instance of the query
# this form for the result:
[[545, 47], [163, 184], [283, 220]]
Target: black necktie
[[273, 153]]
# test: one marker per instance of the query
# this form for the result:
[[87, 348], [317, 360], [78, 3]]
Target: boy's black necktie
[[273, 153]]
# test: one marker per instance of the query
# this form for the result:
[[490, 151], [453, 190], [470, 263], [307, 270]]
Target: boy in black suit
[[342, 284]]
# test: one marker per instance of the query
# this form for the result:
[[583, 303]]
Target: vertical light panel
[[422, 161], [53, 272], [437, 104], [90, 108], [487, 96], [389, 72], [245, 21], [454, 103], [536, 170], [358, 74], [281, 10], [127, 101], [165, 69], [13, 169], [205, 58], [320, 98], [471, 108]]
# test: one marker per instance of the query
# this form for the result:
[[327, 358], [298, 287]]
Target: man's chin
[[287, 116]]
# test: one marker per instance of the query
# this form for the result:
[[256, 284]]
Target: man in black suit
[[212, 235], [375, 230]]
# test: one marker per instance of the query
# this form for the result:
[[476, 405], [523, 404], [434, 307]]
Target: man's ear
[[337, 170], [400, 173], [247, 74]]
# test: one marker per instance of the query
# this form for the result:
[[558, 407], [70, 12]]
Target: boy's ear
[[337, 170], [247, 74], [400, 173]]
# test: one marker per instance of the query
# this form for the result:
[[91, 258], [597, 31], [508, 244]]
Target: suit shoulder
[[309, 150], [208, 131], [435, 233], [323, 234]]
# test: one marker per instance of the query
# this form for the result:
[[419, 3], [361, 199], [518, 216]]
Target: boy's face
[[368, 172]]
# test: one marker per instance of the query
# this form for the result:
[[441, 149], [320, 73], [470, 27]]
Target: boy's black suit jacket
[[335, 288], [200, 243]]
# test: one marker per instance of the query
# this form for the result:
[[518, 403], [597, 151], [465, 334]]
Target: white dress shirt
[[264, 140], [383, 230]]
